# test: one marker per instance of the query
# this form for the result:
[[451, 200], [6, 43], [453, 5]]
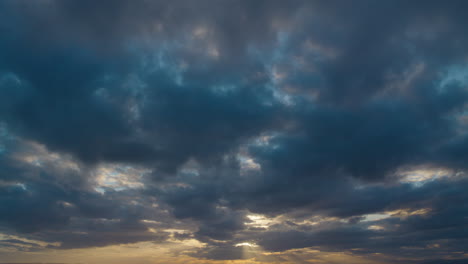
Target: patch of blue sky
[[454, 74]]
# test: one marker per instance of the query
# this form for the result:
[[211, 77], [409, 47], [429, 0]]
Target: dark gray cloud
[[443, 224], [298, 111]]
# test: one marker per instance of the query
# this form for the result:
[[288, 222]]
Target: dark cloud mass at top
[[341, 124]]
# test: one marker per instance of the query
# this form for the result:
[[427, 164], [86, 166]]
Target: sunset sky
[[234, 131]]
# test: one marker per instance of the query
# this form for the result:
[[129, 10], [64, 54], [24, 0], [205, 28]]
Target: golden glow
[[405, 213], [400, 213], [421, 175], [178, 253], [376, 227], [259, 221], [246, 244]]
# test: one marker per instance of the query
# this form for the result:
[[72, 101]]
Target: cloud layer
[[308, 125]]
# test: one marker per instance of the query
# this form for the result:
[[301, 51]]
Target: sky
[[233, 131]]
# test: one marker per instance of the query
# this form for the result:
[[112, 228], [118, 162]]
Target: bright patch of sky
[[119, 177], [418, 177]]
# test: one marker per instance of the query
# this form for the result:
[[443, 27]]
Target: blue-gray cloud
[[303, 109]]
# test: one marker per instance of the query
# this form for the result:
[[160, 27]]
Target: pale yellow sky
[[150, 253]]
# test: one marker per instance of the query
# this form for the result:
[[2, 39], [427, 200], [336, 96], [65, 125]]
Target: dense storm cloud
[[262, 131]]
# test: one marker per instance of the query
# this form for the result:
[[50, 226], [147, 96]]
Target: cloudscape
[[233, 131]]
